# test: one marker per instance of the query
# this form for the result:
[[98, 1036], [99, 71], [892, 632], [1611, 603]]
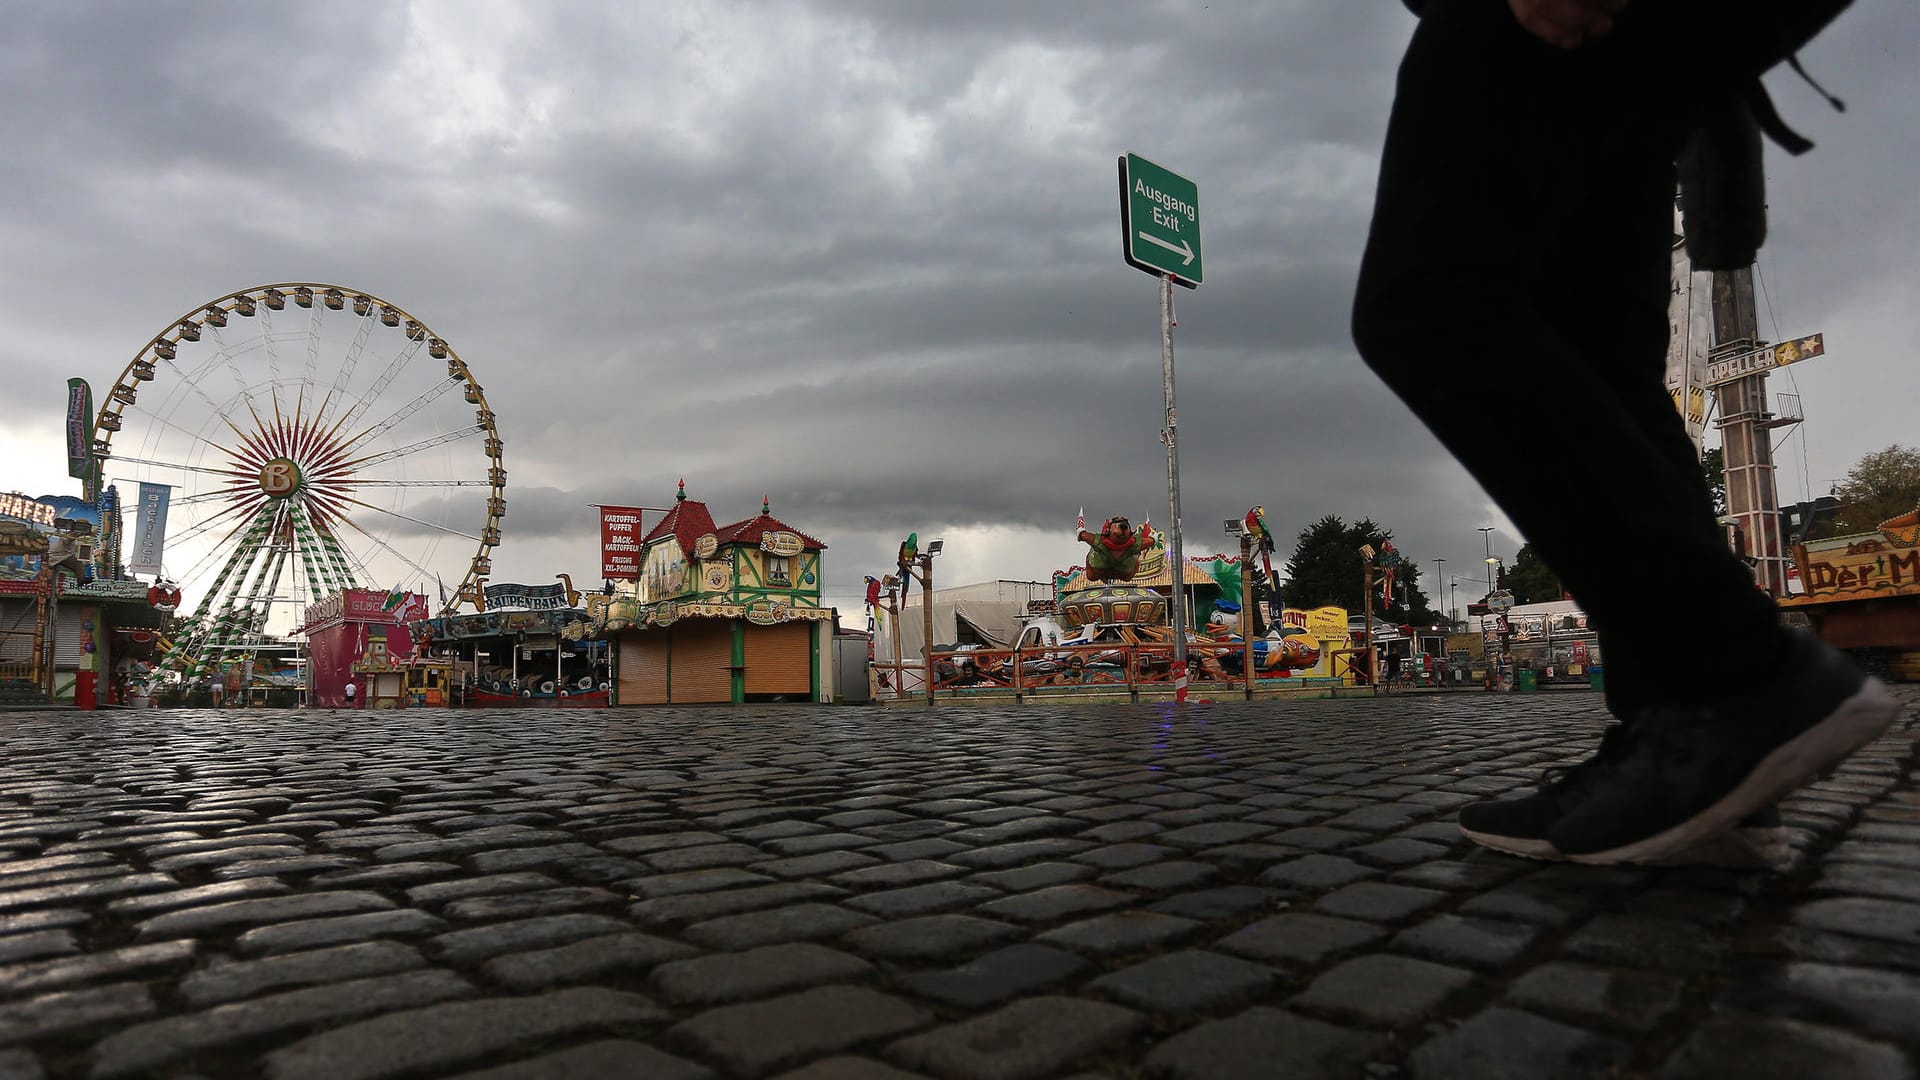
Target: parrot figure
[[874, 609], [909, 551], [1263, 539]]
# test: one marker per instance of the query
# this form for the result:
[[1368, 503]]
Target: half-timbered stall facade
[[722, 613]]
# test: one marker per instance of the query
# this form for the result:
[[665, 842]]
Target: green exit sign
[[1160, 221]]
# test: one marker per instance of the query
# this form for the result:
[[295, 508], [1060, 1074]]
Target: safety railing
[[1118, 667]]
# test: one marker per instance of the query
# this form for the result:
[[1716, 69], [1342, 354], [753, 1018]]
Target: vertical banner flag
[[620, 543], [79, 429], [150, 528]]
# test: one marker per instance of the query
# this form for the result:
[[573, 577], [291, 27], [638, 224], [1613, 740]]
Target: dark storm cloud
[[856, 257]]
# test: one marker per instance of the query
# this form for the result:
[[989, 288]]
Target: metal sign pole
[[1160, 234], [926, 616], [1176, 560]]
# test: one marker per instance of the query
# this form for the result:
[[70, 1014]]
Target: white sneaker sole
[[1858, 721], [1763, 848], [1513, 845]]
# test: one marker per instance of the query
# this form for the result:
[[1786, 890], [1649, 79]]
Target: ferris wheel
[[310, 449]]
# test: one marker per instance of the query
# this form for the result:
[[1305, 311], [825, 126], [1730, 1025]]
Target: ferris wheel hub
[[280, 478]]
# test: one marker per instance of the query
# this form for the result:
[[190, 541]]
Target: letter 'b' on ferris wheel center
[[310, 449]]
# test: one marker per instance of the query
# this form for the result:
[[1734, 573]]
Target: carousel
[[523, 649]]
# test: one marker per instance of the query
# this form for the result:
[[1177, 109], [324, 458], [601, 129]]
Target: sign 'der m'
[[1853, 566]]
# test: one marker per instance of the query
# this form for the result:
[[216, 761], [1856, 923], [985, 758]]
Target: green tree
[[1714, 464], [1531, 580], [1326, 569], [1881, 485]]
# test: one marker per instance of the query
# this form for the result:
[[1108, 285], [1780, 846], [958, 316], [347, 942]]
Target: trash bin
[[1527, 679], [1596, 678]]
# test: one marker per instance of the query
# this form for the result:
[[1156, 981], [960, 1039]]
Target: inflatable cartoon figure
[[1389, 562], [1113, 554]]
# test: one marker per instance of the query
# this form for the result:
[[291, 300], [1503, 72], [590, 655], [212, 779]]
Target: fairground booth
[[73, 628], [363, 636], [524, 647], [720, 613]]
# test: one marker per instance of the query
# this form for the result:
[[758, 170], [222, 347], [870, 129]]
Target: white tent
[[988, 612]]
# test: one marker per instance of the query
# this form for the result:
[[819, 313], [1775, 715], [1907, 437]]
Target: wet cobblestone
[[1249, 890]]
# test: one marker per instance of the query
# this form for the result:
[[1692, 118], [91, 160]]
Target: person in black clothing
[[1522, 231]]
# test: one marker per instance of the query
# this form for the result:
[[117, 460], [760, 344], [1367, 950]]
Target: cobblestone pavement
[[1268, 889]]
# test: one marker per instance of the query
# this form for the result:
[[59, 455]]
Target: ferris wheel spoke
[[207, 470], [223, 354], [219, 495], [345, 374], [414, 448], [193, 383], [273, 358], [403, 517], [194, 435], [394, 367], [391, 550], [200, 528], [419, 483], [438, 391], [312, 366]]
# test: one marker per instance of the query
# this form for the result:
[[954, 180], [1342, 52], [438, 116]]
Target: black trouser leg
[[1513, 294]]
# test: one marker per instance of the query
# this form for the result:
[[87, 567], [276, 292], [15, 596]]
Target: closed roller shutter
[[66, 644], [702, 655], [643, 668], [780, 659], [17, 622]]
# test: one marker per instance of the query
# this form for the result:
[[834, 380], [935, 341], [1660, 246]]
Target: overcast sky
[[860, 258]]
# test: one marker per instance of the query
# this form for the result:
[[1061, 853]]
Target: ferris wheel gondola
[[305, 459]]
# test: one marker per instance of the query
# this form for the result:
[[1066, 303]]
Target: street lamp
[[1486, 541], [1436, 573], [1453, 583]]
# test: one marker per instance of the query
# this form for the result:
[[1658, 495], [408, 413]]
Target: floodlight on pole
[[1486, 541]]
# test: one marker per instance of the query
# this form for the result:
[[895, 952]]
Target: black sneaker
[[1519, 826], [1690, 774]]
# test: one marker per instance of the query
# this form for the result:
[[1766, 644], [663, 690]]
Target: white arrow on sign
[[1183, 249]]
